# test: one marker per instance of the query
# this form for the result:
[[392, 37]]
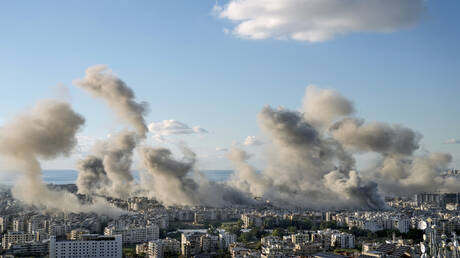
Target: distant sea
[[70, 176]]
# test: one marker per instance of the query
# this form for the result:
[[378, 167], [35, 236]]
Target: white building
[[13, 237], [250, 220], [134, 235], [300, 238], [191, 243], [87, 246], [157, 248], [226, 239], [343, 240], [18, 225], [3, 224], [75, 234]]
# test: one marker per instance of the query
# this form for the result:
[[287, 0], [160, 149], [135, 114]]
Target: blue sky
[[177, 57]]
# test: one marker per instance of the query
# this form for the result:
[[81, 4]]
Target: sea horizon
[[69, 176]]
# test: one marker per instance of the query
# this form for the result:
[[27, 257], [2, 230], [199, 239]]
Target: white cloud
[[252, 141], [452, 141], [317, 20], [172, 127]]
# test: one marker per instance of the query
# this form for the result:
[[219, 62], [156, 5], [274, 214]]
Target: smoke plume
[[311, 159], [101, 83], [304, 168], [376, 137], [108, 170], [176, 182], [321, 107], [46, 132]]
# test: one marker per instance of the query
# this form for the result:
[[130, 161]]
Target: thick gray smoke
[[108, 170], [400, 171], [46, 132], [92, 177], [311, 159], [376, 137], [101, 83], [304, 169], [321, 107], [176, 182], [407, 175]]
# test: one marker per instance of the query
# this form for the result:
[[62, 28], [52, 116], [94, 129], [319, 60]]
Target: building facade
[[87, 246]]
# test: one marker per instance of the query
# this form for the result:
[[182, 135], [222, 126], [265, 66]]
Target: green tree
[[329, 224], [303, 224], [245, 237], [279, 232]]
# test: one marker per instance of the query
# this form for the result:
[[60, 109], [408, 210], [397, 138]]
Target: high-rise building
[[226, 239], [16, 237], [160, 247], [75, 234], [87, 246], [343, 240], [191, 243], [3, 224], [18, 225], [134, 234]]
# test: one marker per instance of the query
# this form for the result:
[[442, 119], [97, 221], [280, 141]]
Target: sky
[[212, 66]]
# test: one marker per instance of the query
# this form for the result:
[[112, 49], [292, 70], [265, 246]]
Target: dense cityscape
[[423, 225]]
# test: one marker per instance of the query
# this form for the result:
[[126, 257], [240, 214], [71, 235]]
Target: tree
[[358, 232], [304, 224], [279, 232], [415, 234], [245, 237], [329, 224]]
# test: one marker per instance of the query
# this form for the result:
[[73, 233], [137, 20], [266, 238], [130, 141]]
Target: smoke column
[[176, 182], [304, 168], [45, 132], [107, 171], [101, 83]]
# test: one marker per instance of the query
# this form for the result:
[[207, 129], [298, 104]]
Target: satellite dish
[[422, 248], [422, 225]]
